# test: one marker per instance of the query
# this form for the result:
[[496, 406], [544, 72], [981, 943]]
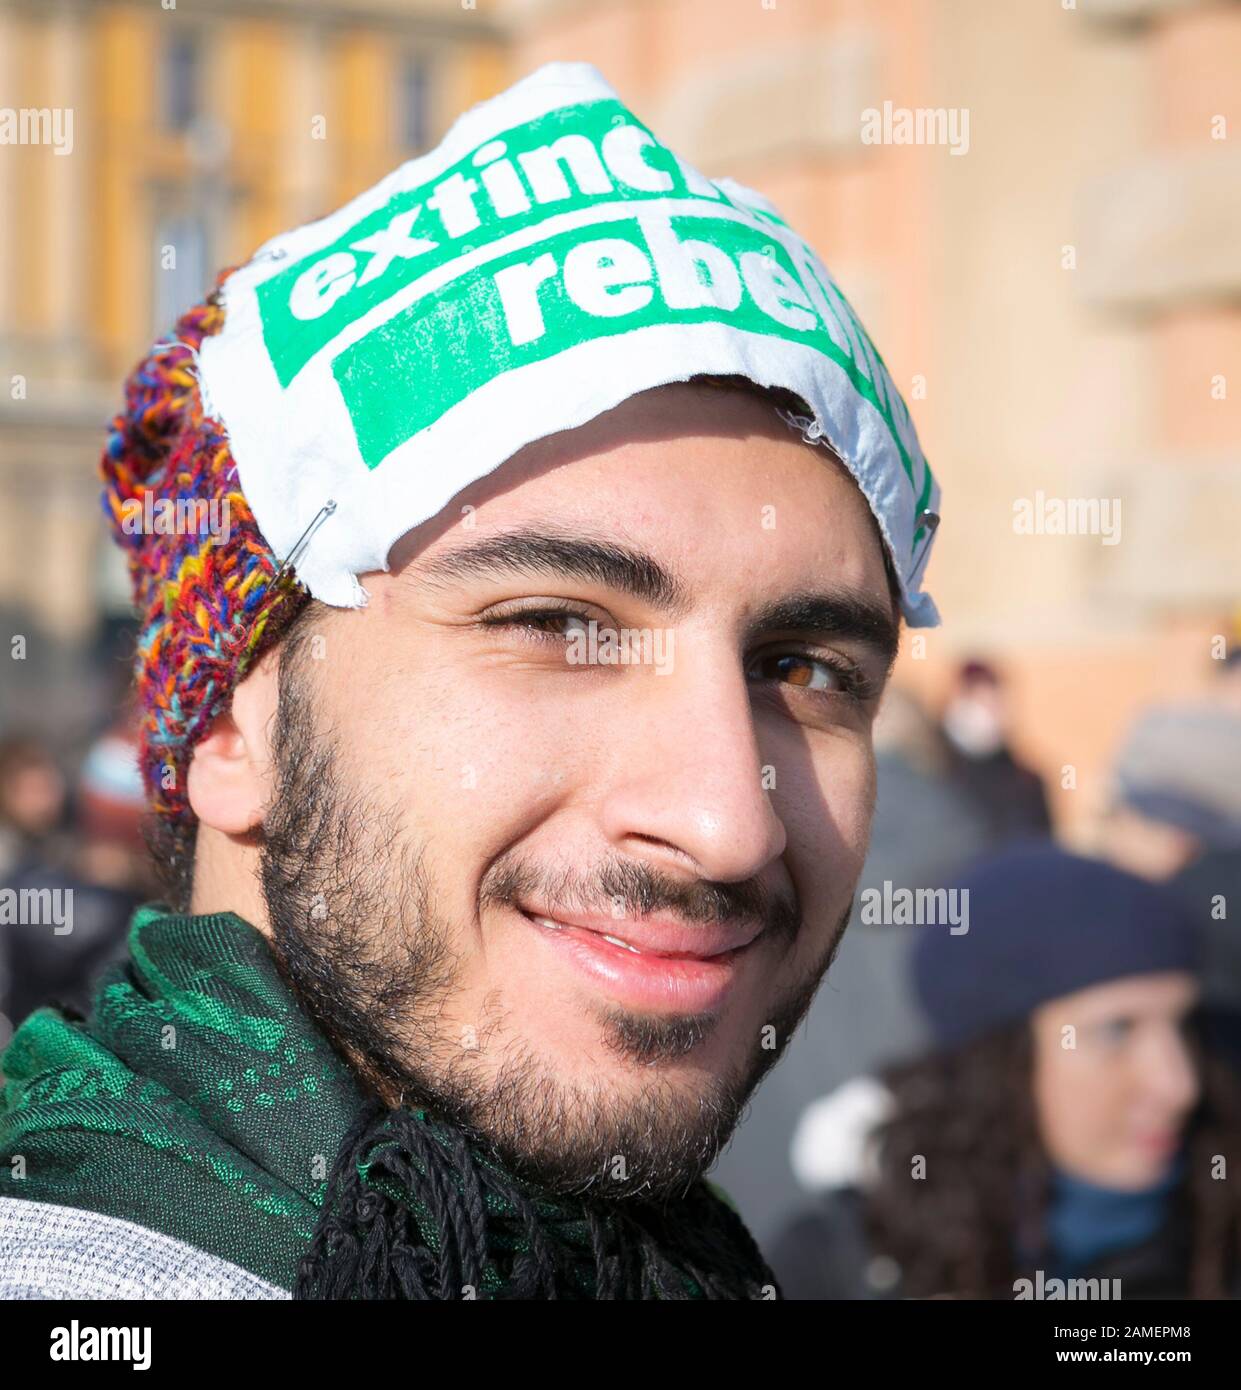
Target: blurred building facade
[[1060, 303], [198, 131]]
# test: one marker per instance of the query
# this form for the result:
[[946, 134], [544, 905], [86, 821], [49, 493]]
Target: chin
[[1140, 1171]]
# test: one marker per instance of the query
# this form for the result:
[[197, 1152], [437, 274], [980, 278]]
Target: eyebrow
[[842, 614], [529, 551]]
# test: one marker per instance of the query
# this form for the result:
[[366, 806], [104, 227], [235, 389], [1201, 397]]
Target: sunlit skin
[[455, 708], [1112, 1109]]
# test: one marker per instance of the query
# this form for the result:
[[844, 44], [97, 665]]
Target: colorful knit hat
[[210, 599], [549, 260]]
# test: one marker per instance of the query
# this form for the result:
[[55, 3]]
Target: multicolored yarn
[[210, 602]]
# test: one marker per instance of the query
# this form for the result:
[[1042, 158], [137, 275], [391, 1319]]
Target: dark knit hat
[[1042, 924]]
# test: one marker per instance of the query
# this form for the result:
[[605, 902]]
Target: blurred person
[[477, 944], [1176, 790], [925, 830], [110, 805], [33, 804], [976, 722], [1175, 817], [33, 798], [1069, 1125], [99, 873]]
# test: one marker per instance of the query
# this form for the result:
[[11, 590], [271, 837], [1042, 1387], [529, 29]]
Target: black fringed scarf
[[414, 1211]]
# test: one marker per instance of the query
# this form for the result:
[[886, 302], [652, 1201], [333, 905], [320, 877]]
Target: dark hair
[[969, 1114], [170, 843], [170, 840]]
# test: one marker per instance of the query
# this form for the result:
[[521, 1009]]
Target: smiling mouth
[[652, 965], [724, 948], [692, 957], [611, 940]]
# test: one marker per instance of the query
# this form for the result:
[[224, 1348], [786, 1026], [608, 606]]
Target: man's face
[[579, 900]]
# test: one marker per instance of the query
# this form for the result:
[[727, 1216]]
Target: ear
[[230, 781]]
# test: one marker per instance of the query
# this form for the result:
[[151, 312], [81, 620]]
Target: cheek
[[827, 803], [464, 764], [1079, 1100], [413, 717], [826, 807]]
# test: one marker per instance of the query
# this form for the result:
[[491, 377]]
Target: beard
[[359, 935]]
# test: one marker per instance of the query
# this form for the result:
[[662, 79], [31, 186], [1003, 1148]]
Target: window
[[180, 77], [414, 103], [181, 268]]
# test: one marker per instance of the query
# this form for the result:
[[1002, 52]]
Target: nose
[[1169, 1073], [688, 785]]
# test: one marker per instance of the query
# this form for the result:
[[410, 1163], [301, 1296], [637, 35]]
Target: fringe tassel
[[414, 1212]]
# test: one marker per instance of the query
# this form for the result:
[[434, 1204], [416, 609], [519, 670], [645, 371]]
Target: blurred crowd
[[1054, 1090], [73, 866]]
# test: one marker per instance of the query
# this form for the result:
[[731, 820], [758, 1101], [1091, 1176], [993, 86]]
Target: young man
[[508, 729]]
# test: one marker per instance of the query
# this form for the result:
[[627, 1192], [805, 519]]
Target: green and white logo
[[550, 259]]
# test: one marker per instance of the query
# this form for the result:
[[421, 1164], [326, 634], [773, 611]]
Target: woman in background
[[1072, 1123]]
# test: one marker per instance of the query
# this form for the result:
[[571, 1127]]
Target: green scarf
[[199, 1100]]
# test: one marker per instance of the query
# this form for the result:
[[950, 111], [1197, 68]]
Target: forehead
[[703, 476], [1167, 992]]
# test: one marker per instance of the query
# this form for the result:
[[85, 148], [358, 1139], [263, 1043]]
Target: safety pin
[[299, 549], [277, 253], [931, 521]]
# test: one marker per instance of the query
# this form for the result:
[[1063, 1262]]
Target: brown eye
[[552, 624], [543, 624], [796, 668]]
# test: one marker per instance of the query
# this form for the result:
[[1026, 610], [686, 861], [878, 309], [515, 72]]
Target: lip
[[658, 935], [652, 963], [1160, 1143]]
